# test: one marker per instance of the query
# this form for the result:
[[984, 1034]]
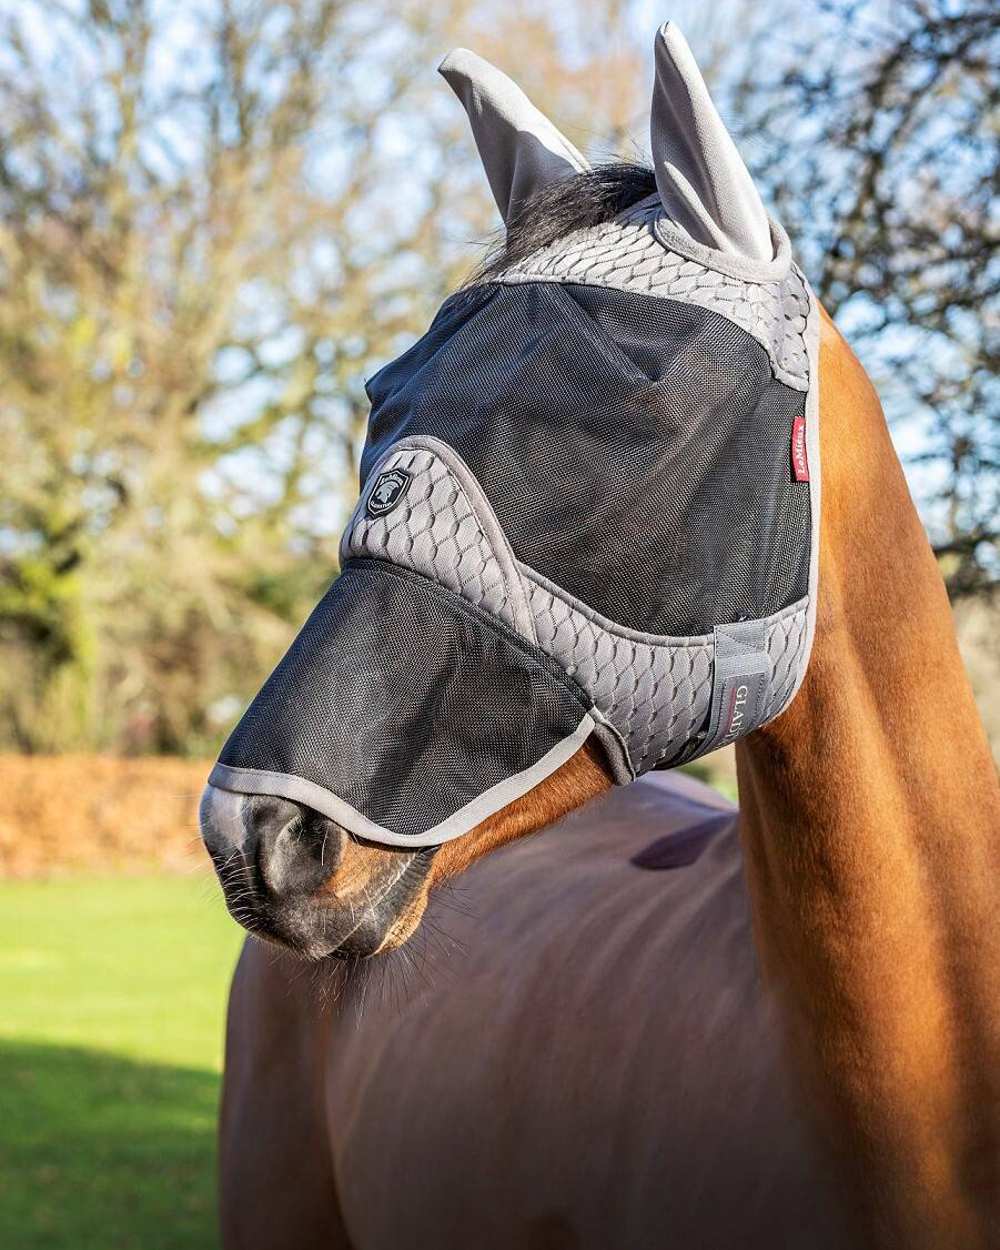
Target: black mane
[[586, 199]]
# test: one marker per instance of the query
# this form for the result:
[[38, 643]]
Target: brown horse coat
[[582, 1055]]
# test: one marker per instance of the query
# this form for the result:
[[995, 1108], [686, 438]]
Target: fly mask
[[589, 501]]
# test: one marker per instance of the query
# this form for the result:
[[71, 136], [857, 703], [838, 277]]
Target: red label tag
[[800, 461]]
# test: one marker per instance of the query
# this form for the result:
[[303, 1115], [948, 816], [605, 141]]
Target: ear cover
[[520, 148], [703, 183]]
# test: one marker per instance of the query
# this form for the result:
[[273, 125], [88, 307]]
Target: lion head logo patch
[[389, 489]]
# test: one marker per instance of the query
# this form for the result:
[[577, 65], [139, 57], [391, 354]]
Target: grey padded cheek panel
[[444, 529], [654, 691], [652, 694], [787, 644], [435, 531]]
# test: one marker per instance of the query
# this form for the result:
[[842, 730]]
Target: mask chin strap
[[741, 683]]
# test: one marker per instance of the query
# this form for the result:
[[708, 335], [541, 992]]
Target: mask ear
[[703, 183], [520, 148]]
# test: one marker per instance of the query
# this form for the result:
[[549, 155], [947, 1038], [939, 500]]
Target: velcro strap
[[740, 683]]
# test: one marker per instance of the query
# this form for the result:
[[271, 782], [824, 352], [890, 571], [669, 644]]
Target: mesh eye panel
[[404, 701], [635, 449]]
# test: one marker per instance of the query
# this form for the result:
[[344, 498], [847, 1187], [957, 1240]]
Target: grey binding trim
[[786, 643], [299, 790], [675, 239], [629, 254], [815, 486], [615, 748]]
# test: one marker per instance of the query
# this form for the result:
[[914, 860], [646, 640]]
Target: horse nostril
[[296, 878], [295, 849]]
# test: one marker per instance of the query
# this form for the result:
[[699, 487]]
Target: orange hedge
[[99, 814]]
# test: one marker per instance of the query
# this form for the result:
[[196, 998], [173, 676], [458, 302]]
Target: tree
[[216, 217], [193, 288]]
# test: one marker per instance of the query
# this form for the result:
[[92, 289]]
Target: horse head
[[585, 545]]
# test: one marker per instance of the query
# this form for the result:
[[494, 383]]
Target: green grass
[[112, 994]]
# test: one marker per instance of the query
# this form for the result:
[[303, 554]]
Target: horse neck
[[871, 824]]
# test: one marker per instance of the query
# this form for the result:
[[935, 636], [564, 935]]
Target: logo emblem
[[389, 489], [800, 457]]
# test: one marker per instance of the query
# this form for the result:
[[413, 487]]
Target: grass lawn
[[112, 994]]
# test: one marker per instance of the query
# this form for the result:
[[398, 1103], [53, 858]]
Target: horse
[[658, 1021]]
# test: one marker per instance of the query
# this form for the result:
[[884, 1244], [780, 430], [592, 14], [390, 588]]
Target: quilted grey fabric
[[652, 692], [632, 254], [434, 531], [788, 650]]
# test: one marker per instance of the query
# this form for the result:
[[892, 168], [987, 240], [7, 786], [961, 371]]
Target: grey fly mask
[[589, 502]]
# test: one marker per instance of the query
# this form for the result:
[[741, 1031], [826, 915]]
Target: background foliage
[[218, 216], [111, 1045]]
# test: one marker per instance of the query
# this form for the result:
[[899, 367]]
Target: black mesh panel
[[405, 701], [636, 449]]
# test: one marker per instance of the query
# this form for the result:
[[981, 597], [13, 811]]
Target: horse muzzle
[[296, 878]]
